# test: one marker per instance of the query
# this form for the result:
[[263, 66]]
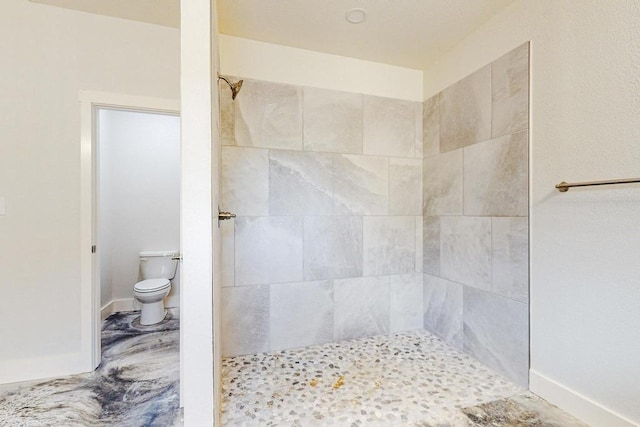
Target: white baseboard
[[12, 371], [575, 404], [132, 304]]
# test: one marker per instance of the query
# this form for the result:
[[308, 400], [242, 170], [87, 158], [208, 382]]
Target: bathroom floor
[[406, 379], [136, 384]]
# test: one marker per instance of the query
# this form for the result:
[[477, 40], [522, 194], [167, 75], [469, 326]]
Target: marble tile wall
[[475, 214], [327, 243]]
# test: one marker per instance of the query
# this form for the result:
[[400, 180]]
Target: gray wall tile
[[269, 115], [405, 186], [361, 185], [465, 111], [510, 257], [227, 112], [443, 184], [419, 244], [496, 177], [496, 333], [332, 247], [245, 320], [419, 132], [332, 121], [300, 183], [431, 126], [510, 92], [389, 245], [405, 302], [442, 302], [465, 250], [268, 250], [389, 127], [431, 247], [301, 314], [245, 181], [361, 307], [227, 252]]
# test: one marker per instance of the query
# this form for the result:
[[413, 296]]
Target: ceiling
[[408, 33], [160, 12]]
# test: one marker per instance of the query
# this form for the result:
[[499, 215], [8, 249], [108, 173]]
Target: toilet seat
[[152, 285]]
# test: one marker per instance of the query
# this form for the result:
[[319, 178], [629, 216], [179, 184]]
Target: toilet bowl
[[157, 268], [151, 293]]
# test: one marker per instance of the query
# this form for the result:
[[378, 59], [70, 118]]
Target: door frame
[[90, 306]]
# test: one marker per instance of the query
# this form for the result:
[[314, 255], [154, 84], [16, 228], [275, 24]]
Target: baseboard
[[575, 404], [131, 304], [12, 371], [118, 305]]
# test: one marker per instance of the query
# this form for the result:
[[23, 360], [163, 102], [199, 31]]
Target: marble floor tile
[[523, 409], [409, 379], [136, 384]]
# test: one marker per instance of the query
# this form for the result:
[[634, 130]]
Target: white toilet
[[157, 269]]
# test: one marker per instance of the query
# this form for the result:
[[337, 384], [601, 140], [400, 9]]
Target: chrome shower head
[[235, 87]]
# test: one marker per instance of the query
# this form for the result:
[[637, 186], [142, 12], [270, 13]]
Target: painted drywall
[[49, 55], [138, 197], [265, 61], [199, 370], [585, 275]]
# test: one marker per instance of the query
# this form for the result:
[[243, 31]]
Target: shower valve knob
[[225, 215]]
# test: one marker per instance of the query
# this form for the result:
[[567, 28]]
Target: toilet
[[157, 269]]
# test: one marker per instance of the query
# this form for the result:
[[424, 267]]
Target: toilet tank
[[159, 264]]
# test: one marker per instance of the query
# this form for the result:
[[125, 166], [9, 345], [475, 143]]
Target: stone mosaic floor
[[136, 384], [407, 379]]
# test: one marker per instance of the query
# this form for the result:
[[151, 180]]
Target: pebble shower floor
[[406, 379]]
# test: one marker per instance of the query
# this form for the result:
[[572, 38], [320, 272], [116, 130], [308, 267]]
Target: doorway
[[139, 115], [138, 191]]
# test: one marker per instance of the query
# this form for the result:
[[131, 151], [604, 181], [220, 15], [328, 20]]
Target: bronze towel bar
[[564, 186]]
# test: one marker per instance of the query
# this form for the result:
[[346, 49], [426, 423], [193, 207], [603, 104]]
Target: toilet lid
[[151, 285]]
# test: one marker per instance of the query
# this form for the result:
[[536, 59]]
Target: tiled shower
[[332, 191]]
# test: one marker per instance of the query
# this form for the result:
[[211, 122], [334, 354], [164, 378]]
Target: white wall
[[49, 55], [585, 274], [265, 61], [199, 338], [139, 196]]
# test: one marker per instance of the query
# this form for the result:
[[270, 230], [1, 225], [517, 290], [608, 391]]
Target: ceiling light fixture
[[356, 16]]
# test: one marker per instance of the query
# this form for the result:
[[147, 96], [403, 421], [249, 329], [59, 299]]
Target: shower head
[[235, 87]]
